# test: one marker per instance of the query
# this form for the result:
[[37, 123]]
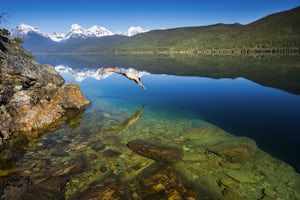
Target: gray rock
[[21, 62]]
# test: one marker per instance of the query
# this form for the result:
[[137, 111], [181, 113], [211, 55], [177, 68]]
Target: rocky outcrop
[[32, 97], [34, 110]]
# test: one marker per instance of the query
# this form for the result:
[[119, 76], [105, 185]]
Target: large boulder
[[32, 97], [31, 114]]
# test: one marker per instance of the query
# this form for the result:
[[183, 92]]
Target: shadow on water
[[127, 122], [281, 72]]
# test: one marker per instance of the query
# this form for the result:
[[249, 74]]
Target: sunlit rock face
[[31, 95], [37, 109]]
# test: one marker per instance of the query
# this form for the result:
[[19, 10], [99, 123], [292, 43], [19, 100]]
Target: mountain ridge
[[76, 31]]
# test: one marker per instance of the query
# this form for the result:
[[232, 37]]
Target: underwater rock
[[230, 194], [14, 188], [109, 188], [12, 150], [59, 153], [159, 152], [5, 155], [50, 143], [111, 153], [71, 167], [242, 176], [52, 184], [206, 135], [52, 178], [103, 168], [236, 150], [93, 156], [18, 188], [96, 146], [162, 182]]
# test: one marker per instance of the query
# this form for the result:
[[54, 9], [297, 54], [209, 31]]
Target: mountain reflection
[[98, 74], [282, 72]]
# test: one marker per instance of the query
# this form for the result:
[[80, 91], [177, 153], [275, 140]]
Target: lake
[[257, 97], [200, 120]]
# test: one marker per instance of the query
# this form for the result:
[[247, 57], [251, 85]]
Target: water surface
[[253, 97]]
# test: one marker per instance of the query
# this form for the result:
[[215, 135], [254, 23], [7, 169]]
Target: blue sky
[[116, 15]]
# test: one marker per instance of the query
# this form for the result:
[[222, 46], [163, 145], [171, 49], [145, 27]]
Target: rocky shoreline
[[32, 96]]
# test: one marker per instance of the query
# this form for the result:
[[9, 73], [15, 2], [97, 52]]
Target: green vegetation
[[4, 32], [17, 40]]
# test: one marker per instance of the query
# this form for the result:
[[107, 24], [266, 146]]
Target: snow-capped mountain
[[34, 39], [76, 31], [57, 37], [135, 30], [22, 30]]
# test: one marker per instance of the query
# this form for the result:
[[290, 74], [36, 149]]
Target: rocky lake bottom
[[137, 152]]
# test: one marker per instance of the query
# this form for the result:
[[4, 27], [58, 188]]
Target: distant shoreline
[[246, 51]]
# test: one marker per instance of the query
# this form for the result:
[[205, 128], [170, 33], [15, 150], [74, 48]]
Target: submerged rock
[[235, 150], [235, 167], [46, 181], [162, 182], [159, 152], [59, 153], [109, 188]]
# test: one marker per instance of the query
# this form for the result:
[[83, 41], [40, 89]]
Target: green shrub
[[17, 40], [4, 31]]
